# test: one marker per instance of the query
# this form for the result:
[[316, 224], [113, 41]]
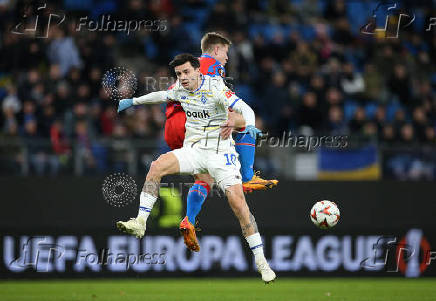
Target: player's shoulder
[[211, 66], [207, 60]]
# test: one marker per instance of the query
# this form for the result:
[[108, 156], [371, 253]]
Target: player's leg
[[166, 164], [249, 228], [245, 146], [225, 169], [196, 196]]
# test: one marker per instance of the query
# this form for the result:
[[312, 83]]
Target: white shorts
[[223, 166]]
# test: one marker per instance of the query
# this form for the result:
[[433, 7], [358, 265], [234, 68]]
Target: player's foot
[[134, 226], [188, 231], [268, 275], [257, 183]]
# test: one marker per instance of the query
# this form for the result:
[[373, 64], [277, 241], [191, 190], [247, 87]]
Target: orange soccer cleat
[[257, 183], [188, 231]]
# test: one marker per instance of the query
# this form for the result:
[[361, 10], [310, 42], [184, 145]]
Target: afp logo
[[390, 17], [411, 255]]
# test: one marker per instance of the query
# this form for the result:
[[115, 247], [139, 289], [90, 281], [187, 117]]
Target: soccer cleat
[[257, 183], [134, 226], [188, 231], [268, 275]]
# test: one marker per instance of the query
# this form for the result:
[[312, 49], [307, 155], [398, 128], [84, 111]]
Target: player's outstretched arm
[[150, 98]]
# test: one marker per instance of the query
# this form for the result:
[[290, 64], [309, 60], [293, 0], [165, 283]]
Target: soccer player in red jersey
[[214, 48]]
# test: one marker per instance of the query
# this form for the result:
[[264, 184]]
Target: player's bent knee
[[164, 165], [154, 171]]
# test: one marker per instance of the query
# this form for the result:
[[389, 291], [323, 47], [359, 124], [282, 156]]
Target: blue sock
[[196, 196], [245, 146]]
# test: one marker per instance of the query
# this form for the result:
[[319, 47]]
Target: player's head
[[216, 45], [187, 69]]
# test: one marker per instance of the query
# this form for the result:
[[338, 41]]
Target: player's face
[[188, 76], [221, 53]]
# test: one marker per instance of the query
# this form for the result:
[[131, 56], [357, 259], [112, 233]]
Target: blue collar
[[202, 81]]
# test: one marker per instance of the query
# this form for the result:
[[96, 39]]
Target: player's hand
[[125, 104], [253, 131], [227, 128]]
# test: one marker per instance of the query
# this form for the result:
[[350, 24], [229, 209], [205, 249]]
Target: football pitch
[[238, 289]]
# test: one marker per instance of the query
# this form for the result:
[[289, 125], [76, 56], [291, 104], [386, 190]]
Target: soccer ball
[[325, 214]]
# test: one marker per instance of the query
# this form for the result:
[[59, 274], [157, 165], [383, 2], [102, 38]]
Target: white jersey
[[206, 110]]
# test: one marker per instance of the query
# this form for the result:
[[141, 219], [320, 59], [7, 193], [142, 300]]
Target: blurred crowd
[[303, 66]]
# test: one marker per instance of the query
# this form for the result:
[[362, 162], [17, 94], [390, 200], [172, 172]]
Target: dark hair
[[182, 58], [211, 39]]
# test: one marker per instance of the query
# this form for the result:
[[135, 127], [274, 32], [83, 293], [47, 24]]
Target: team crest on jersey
[[221, 72], [203, 98], [229, 93]]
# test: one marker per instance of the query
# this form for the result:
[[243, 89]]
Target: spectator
[[63, 51], [358, 121], [336, 124], [420, 124], [352, 82], [317, 85], [335, 10], [407, 134], [399, 85], [308, 113], [275, 90], [380, 118], [305, 61], [374, 86], [388, 135], [430, 136], [334, 97], [11, 101]]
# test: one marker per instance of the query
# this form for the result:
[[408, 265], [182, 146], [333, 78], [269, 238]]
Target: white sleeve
[[151, 98], [229, 99], [247, 112]]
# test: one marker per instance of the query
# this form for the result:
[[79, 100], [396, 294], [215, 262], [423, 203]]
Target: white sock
[[146, 202], [255, 243]]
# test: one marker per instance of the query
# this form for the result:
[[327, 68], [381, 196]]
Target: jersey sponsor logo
[[204, 114], [229, 93]]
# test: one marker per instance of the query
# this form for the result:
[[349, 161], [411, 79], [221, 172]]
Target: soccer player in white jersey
[[206, 101]]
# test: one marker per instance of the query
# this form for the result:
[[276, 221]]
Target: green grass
[[208, 289]]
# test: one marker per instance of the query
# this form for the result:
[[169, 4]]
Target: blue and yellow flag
[[349, 164]]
